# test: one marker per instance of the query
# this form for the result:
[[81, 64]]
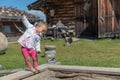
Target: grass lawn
[[102, 53]]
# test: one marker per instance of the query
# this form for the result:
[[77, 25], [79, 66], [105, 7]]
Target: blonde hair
[[39, 22]]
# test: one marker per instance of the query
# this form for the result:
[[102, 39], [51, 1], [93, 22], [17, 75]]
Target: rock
[[52, 61], [52, 39], [68, 41], [75, 39], [0, 66], [58, 63], [3, 43], [50, 54], [50, 47], [67, 44]]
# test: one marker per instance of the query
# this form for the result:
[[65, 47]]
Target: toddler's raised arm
[[26, 22]]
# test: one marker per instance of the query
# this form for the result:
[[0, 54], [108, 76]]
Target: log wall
[[64, 11], [72, 13], [102, 17]]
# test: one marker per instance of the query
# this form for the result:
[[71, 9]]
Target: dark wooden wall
[[64, 11], [71, 12], [86, 21], [102, 17]]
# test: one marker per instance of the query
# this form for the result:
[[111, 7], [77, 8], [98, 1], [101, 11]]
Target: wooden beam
[[10, 71]]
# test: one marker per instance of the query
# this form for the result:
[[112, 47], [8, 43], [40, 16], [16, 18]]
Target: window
[[6, 29]]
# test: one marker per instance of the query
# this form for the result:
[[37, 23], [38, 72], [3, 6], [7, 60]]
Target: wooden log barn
[[95, 18], [11, 16]]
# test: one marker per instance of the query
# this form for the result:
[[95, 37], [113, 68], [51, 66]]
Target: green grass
[[102, 53]]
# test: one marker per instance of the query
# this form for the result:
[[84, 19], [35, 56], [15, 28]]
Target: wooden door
[[80, 17], [107, 22], [86, 17]]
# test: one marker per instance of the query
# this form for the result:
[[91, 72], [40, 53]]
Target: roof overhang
[[37, 4]]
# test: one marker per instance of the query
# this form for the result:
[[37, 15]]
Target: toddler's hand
[[38, 52], [22, 13]]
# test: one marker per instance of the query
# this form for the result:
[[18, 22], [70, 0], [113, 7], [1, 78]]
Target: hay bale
[[3, 43]]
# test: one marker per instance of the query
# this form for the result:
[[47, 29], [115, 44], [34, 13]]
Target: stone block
[[50, 47], [3, 43]]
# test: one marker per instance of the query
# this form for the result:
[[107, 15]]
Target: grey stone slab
[[50, 47]]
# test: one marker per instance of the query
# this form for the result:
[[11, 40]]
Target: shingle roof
[[10, 14]]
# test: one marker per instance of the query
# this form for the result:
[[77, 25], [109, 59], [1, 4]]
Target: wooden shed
[[95, 18]]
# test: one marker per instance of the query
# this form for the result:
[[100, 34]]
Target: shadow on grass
[[2, 53]]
